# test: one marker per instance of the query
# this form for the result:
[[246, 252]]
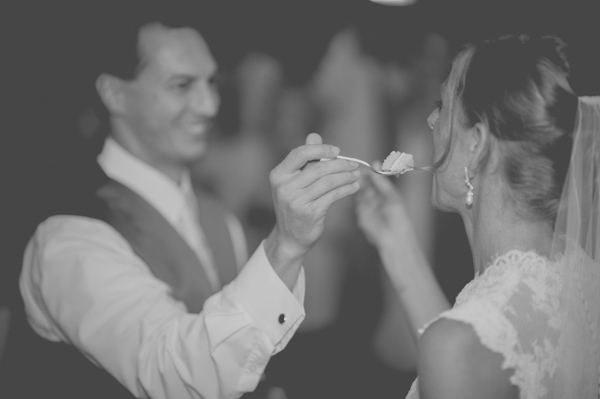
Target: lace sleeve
[[512, 307]]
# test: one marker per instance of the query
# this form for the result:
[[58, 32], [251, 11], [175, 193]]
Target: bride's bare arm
[[413, 279], [383, 218]]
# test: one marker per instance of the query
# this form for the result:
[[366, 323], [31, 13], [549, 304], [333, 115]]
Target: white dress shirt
[[83, 285]]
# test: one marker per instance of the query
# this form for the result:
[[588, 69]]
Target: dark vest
[[167, 254], [36, 368]]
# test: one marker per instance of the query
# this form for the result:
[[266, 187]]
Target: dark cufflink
[[282, 318]]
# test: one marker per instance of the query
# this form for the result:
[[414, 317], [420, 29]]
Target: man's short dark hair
[[119, 53]]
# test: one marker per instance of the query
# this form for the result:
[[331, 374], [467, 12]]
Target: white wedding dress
[[542, 316]]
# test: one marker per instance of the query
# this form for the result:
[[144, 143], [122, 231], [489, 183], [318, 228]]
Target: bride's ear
[[479, 140]]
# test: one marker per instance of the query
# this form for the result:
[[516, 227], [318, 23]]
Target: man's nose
[[205, 100]]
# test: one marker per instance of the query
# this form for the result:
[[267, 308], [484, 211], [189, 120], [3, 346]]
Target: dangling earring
[[469, 201]]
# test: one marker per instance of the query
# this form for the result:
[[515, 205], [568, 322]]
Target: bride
[[518, 157]]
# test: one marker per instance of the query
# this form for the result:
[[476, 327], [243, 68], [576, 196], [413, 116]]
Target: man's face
[[170, 105]]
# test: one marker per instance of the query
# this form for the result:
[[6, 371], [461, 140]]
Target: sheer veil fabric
[[576, 242], [579, 207]]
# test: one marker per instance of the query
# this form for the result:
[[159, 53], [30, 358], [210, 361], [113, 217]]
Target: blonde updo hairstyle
[[518, 87]]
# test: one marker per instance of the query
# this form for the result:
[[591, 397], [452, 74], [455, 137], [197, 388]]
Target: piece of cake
[[398, 162]]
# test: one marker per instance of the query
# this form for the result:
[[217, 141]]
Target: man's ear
[[110, 89], [479, 141]]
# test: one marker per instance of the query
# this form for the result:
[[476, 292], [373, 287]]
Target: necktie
[[192, 233]]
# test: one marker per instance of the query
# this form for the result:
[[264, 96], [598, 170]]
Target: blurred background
[[363, 75]]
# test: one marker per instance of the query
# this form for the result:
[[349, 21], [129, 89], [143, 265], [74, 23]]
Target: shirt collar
[[166, 196]]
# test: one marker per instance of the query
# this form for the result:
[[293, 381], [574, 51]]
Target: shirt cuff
[[262, 294]]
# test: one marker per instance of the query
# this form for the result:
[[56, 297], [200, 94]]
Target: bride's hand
[[381, 212]]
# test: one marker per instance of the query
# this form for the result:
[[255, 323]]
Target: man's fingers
[[313, 138], [329, 182], [300, 156], [325, 201], [322, 169]]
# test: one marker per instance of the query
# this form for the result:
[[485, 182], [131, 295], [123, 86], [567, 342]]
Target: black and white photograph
[[300, 199]]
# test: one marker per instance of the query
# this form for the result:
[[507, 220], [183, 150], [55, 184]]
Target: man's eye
[[183, 86], [217, 80]]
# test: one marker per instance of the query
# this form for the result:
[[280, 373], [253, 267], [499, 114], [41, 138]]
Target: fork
[[384, 172]]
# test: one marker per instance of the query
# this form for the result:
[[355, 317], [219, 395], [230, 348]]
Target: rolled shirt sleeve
[[83, 285]]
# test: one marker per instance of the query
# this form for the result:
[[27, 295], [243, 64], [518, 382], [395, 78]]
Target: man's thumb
[[314, 138]]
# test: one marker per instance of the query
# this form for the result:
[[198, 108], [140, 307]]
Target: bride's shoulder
[[515, 278], [453, 362], [516, 296]]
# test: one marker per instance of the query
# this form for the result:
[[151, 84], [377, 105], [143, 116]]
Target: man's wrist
[[285, 257]]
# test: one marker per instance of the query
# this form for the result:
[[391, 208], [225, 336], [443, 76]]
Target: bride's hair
[[518, 86]]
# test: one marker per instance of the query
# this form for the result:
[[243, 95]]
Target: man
[[166, 305]]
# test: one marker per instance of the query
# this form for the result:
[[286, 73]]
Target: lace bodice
[[522, 306]]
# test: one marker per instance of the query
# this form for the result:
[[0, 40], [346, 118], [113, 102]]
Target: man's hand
[[303, 191]]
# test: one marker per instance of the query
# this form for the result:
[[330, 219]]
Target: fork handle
[[355, 160], [360, 161]]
